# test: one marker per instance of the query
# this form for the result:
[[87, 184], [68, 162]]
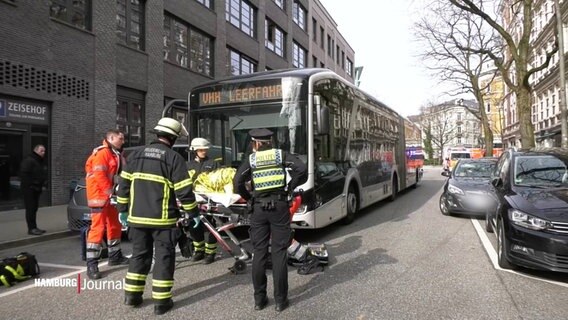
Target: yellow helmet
[[170, 126]]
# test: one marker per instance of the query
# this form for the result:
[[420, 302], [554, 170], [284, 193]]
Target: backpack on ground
[[19, 268]]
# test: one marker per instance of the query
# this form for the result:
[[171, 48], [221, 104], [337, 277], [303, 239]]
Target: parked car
[[465, 191], [530, 217]]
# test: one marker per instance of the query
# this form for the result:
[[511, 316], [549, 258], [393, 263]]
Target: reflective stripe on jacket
[[101, 167], [267, 170], [154, 176]]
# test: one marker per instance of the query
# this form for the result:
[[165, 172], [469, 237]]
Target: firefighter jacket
[[101, 167], [267, 171], [153, 177], [205, 165]]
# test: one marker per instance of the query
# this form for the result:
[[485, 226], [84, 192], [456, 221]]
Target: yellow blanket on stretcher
[[216, 181]]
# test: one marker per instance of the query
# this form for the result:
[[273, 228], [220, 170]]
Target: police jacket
[[32, 174], [101, 167], [153, 177], [266, 170], [205, 165]]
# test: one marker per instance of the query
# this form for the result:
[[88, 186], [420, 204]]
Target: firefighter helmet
[[170, 126], [199, 144]]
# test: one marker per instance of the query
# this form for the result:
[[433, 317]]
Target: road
[[397, 260]]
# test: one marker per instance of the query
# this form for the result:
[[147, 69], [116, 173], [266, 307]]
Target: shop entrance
[[16, 143]]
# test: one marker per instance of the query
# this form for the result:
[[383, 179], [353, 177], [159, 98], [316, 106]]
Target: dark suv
[[530, 216]]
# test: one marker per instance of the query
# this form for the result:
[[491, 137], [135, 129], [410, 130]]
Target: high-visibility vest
[[267, 170]]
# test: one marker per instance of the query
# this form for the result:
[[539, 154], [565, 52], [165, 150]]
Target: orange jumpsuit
[[101, 168]]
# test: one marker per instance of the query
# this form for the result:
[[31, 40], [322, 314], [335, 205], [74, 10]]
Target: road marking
[[61, 266], [493, 256]]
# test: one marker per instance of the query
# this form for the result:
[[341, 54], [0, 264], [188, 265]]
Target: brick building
[[71, 69]]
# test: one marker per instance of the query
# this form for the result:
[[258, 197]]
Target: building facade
[[493, 83], [545, 99], [72, 69]]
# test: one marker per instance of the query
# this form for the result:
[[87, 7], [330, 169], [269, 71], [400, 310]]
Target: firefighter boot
[[133, 300], [209, 258], [198, 255], [163, 307], [93, 269]]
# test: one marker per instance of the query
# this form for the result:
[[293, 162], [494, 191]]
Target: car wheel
[[502, 247], [352, 205], [488, 226], [444, 205]]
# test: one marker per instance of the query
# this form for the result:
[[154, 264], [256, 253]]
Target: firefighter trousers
[[143, 242], [270, 227], [101, 220]]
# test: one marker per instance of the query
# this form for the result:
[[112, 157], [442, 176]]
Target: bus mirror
[[322, 116]]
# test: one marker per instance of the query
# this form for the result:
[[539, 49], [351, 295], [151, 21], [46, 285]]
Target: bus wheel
[[417, 179], [394, 188], [352, 205]]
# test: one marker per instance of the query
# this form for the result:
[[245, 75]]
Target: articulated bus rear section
[[353, 145]]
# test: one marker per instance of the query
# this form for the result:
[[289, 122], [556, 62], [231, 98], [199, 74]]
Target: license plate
[[87, 216]]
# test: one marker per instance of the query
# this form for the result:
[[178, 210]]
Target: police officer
[[201, 163], [266, 167], [153, 177]]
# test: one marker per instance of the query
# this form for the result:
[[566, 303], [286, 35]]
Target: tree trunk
[[488, 137], [526, 127]]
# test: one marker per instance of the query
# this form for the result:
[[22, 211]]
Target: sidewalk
[[14, 231]]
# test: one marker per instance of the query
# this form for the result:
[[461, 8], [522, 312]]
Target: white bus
[[354, 146]]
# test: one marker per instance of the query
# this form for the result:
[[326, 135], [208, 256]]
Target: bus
[[353, 145]]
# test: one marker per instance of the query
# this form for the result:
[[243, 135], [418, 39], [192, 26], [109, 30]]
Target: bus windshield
[[228, 128]]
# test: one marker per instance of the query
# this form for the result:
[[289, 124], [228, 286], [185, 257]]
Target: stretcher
[[228, 211]]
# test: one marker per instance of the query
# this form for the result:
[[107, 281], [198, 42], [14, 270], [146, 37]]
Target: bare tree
[[446, 31], [438, 126], [514, 64]]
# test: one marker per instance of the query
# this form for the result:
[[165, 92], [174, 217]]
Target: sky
[[380, 32]]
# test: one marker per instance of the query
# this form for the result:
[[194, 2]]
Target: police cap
[[261, 134]]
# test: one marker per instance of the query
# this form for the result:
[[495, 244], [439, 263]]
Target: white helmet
[[171, 126], [199, 144]]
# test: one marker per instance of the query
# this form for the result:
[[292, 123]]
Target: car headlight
[[526, 220], [455, 190]]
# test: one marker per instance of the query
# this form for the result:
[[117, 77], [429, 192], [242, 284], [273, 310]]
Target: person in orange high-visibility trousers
[[102, 166]]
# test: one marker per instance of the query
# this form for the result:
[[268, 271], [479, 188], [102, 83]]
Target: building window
[[337, 56], [314, 30], [130, 23], [349, 68], [241, 15], [299, 56], [322, 32], [130, 117], [343, 60], [274, 38], [240, 64], [187, 47], [459, 116], [299, 15], [279, 3], [488, 107], [329, 46], [206, 3], [314, 61], [75, 12]]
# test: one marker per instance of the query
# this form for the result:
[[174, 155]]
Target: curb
[[26, 241]]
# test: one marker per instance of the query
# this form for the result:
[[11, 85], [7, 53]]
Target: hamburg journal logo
[[3, 107]]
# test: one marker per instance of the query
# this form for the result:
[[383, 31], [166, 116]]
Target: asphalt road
[[397, 260]]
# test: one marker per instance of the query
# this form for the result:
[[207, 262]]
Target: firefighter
[[266, 168], [103, 167], [153, 177], [201, 163]]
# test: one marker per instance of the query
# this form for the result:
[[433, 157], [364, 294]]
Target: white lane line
[[493, 256], [60, 266]]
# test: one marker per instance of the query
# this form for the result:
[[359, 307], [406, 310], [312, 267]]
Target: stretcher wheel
[[239, 266]]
